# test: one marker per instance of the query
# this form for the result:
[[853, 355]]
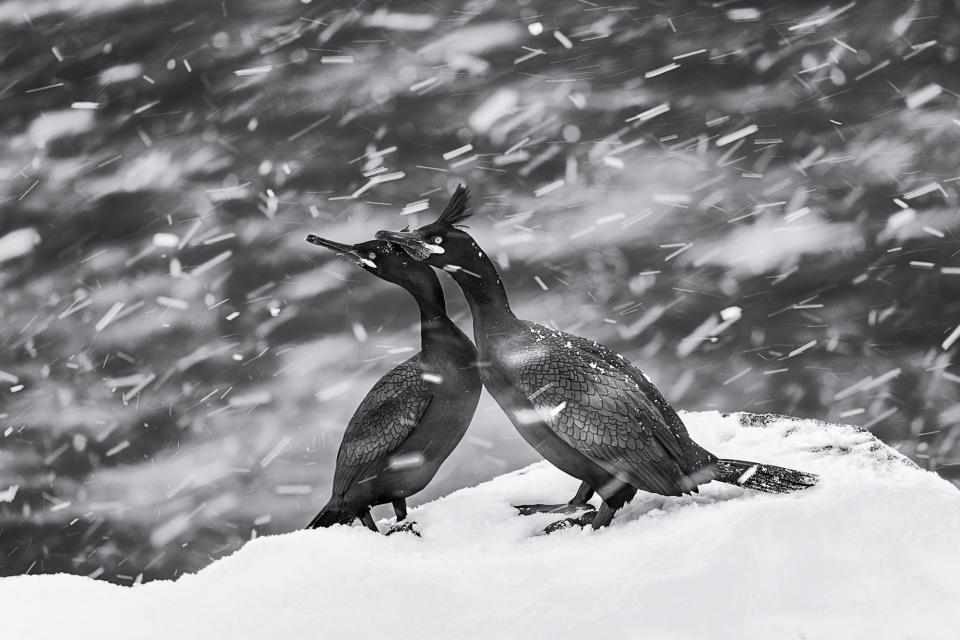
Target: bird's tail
[[763, 477], [334, 512]]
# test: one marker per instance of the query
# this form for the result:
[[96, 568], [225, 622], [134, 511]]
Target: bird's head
[[441, 243], [384, 260]]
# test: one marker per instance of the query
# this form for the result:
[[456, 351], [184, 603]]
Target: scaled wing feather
[[384, 419], [600, 411]]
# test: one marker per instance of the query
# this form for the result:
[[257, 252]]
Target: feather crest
[[458, 209]]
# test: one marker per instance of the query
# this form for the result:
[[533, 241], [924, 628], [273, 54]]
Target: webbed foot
[[583, 520], [567, 507], [578, 502], [407, 526]]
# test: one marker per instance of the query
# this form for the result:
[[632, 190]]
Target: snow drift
[[871, 552]]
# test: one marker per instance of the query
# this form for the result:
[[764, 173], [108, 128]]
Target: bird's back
[[598, 408], [694, 455]]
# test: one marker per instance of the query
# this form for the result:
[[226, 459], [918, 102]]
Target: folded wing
[[601, 412], [385, 418]]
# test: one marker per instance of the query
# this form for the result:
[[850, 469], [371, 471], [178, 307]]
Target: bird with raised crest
[[585, 408], [416, 414]]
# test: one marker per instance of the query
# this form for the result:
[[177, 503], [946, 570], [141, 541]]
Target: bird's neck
[[485, 296], [436, 328]]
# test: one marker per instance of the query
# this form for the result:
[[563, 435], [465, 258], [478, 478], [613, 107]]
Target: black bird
[[415, 415], [582, 406]]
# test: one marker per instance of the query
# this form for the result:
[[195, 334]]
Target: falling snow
[[756, 204]]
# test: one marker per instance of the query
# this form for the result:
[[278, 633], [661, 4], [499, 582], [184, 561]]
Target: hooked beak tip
[[342, 249], [411, 243], [330, 244]]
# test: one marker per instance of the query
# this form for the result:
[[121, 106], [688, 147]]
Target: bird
[[416, 414], [584, 407]]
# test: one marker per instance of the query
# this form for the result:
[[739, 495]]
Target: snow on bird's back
[[869, 552]]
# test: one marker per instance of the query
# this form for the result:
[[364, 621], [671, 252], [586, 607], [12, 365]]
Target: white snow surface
[[871, 552]]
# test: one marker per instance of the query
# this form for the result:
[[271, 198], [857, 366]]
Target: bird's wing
[[680, 444], [385, 418], [599, 411]]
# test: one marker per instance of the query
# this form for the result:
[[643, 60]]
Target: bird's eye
[[371, 255], [438, 240]]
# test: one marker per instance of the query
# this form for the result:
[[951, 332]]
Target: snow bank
[[869, 553]]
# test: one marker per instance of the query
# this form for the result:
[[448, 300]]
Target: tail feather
[[763, 477], [334, 512]]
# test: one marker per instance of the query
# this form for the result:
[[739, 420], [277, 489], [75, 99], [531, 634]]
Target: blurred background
[[756, 202]]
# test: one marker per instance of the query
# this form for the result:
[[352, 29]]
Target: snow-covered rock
[[871, 552]]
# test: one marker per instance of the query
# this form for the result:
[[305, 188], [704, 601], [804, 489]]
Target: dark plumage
[[585, 408], [458, 208], [415, 415]]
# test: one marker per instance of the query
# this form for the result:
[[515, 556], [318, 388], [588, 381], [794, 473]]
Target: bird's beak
[[342, 249], [411, 242]]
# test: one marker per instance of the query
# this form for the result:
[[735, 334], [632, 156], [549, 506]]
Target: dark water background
[[177, 364]]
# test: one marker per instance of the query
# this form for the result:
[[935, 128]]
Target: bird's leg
[[402, 525], [582, 497], [367, 519], [577, 503], [604, 516], [400, 508]]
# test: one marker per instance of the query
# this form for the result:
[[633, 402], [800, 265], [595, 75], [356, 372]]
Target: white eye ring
[[371, 255], [438, 240]]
